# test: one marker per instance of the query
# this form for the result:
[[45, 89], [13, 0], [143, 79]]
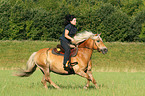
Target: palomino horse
[[49, 62]]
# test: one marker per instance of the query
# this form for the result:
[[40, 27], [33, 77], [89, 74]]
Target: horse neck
[[87, 44], [86, 48]]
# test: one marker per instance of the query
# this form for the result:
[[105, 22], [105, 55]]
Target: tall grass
[[16, 53], [121, 57]]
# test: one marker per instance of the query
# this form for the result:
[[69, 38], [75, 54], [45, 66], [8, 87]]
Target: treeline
[[117, 20]]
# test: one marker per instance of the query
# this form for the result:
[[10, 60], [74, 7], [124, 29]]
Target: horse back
[[41, 56]]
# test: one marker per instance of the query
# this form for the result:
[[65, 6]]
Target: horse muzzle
[[104, 50]]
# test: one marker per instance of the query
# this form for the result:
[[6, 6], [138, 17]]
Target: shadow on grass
[[101, 86]]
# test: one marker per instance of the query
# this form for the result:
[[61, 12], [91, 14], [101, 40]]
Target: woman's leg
[[66, 47]]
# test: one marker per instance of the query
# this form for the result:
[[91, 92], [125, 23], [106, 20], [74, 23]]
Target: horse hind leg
[[43, 81], [47, 78]]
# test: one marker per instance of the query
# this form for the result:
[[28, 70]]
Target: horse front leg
[[92, 79], [85, 75], [88, 75], [87, 85], [89, 72]]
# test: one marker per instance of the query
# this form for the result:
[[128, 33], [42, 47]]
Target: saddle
[[60, 51]]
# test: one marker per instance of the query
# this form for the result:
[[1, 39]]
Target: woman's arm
[[68, 37]]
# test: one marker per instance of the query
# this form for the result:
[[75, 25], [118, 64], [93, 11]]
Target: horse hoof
[[45, 87], [85, 87]]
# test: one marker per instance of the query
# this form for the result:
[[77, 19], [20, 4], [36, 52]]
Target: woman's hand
[[73, 41], [68, 37]]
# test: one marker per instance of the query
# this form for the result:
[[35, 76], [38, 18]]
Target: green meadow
[[120, 72], [110, 83], [121, 57]]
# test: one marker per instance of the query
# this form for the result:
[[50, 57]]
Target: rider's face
[[73, 22]]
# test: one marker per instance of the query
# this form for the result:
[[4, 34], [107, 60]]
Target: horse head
[[91, 41], [98, 44]]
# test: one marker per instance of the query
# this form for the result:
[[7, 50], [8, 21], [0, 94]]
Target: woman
[[67, 37]]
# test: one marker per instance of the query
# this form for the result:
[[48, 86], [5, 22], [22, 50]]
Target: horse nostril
[[104, 50]]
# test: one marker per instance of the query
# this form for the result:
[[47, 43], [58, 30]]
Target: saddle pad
[[73, 53]]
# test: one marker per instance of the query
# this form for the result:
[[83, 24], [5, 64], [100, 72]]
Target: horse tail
[[31, 67]]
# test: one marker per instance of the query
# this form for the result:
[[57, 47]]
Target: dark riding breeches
[[66, 47]]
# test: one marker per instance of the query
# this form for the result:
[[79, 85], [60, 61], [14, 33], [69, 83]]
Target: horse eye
[[98, 41]]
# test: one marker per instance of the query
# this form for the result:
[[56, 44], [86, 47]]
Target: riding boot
[[66, 65]]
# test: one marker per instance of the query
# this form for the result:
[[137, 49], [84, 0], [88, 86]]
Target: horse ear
[[96, 34]]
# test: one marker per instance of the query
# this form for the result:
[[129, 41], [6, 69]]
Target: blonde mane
[[83, 36]]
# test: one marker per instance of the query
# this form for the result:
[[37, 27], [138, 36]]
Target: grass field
[[121, 72], [110, 83]]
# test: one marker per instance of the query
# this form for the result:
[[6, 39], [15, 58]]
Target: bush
[[4, 19], [44, 19], [142, 34], [115, 25], [136, 26]]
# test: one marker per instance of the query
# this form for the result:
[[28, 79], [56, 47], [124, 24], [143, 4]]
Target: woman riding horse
[[49, 62], [66, 38]]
